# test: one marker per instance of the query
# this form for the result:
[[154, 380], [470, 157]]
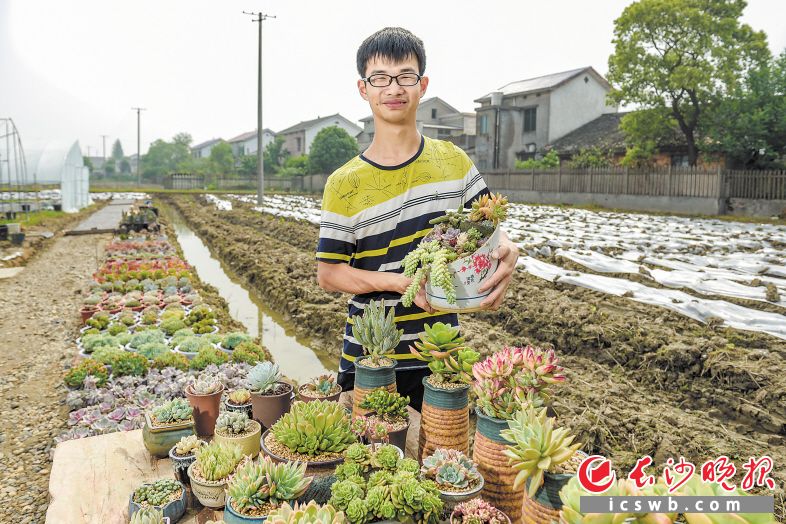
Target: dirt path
[[643, 380], [38, 320]]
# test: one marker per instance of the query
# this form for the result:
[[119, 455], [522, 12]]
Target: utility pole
[[260, 133], [138, 142], [103, 137]]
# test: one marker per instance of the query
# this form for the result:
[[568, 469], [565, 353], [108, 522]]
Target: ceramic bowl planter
[[468, 273], [369, 378], [232, 516], [210, 493], [173, 510], [444, 419], [159, 440], [268, 408], [180, 464], [453, 498], [248, 442], [205, 410], [493, 465], [317, 468], [307, 396]]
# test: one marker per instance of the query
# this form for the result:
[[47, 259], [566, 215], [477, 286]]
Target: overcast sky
[[74, 69]]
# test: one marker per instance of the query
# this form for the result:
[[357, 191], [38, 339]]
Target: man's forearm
[[347, 279]]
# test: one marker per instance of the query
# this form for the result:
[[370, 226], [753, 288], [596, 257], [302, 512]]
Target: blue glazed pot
[[159, 441], [173, 510], [445, 398], [233, 517], [490, 427], [373, 378]]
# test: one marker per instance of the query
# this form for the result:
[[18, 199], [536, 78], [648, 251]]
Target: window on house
[[530, 117], [483, 125], [298, 144], [434, 113]]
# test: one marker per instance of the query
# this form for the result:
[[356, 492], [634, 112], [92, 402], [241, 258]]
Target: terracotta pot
[[444, 420], [267, 409], [493, 465], [158, 441], [249, 443], [205, 410], [87, 312], [211, 494], [302, 395]]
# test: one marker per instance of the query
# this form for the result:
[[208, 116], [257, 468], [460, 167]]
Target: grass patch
[[35, 218]]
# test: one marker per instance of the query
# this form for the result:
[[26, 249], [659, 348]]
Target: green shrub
[[249, 353], [75, 377], [93, 342], [153, 350], [209, 355], [148, 336], [129, 364], [171, 325], [193, 344], [116, 328], [170, 359], [106, 354], [234, 339]]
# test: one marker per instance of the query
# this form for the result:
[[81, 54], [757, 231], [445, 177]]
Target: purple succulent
[[133, 412], [105, 425], [105, 407], [74, 400], [129, 425], [75, 417], [117, 414], [89, 416]]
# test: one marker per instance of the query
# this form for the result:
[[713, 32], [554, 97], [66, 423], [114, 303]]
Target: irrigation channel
[[293, 354]]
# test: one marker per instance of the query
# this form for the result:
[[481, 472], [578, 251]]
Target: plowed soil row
[[642, 380]]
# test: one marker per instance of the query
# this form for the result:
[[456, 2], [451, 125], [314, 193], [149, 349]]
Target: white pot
[[468, 273]]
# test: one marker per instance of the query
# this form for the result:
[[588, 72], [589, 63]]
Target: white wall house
[[298, 138], [246, 143]]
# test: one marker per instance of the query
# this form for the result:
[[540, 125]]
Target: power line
[[260, 17]]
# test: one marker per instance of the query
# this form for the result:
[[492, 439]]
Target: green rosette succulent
[[343, 492], [357, 511], [385, 457], [314, 428], [312, 513]]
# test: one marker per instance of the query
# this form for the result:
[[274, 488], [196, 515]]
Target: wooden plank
[[93, 477]]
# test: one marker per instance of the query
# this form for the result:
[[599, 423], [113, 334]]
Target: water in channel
[[295, 359]]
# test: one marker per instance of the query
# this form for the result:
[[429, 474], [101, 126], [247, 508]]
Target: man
[[376, 208]]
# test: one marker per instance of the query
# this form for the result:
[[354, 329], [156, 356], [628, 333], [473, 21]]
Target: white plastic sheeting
[[59, 162], [221, 205], [732, 315]]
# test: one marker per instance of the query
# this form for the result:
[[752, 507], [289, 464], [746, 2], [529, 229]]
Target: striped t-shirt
[[373, 215]]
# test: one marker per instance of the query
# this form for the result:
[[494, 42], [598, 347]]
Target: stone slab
[[105, 220]]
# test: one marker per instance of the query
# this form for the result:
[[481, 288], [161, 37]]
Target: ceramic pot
[[267, 409], [248, 443], [205, 410], [159, 440], [444, 420]]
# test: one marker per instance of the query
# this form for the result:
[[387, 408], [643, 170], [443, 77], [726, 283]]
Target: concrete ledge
[[687, 205], [756, 208]]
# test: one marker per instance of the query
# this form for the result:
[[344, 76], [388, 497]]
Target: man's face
[[394, 104]]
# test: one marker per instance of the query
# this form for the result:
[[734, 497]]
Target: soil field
[[642, 380]]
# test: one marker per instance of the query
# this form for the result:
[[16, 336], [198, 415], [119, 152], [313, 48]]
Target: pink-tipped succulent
[[514, 378]]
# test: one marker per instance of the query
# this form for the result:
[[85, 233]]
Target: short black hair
[[392, 43]]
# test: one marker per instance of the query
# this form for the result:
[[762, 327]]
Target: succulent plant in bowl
[[257, 488], [321, 387], [166, 495], [456, 475], [306, 513], [316, 431], [204, 394], [270, 397], [477, 511], [211, 470], [235, 427]]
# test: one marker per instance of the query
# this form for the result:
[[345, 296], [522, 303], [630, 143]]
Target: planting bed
[[642, 379]]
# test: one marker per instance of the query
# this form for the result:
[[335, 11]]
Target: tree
[[109, 166], [749, 125], [677, 56], [331, 149], [590, 157], [294, 165], [550, 159], [222, 161], [166, 157], [117, 151], [88, 163], [275, 155], [125, 166], [248, 166]]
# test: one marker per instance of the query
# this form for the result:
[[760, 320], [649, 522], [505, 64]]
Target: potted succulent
[[165, 495], [236, 428], [457, 477], [323, 387], [305, 513], [257, 488], [270, 398], [165, 425], [390, 410], [189, 346], [89, 307], [508, 381], [316, 433], [149, 516], [572, 492], [99, 321], [232, 340], [445, 413], [376, 332], [204, 395], [211, 470], [239, 401], [381, 486], [183, 454], [455, 258], [477, 511]]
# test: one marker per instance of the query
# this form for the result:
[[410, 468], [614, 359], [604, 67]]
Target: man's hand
[[420, 298], [507, 254]]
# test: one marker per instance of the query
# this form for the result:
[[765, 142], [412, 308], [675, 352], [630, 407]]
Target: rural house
[[298, 138], [246, 143]]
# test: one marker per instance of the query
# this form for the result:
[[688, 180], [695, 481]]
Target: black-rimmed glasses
[[383, 80]]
